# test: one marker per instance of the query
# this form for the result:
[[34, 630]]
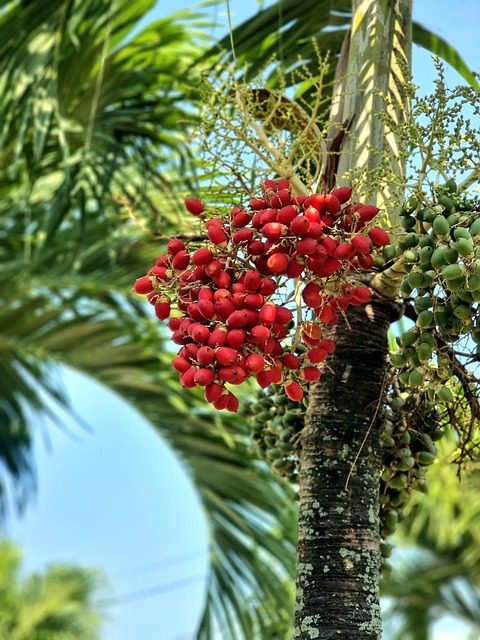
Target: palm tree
[[92, 121], [60, 602], [93, 137], [437, 569]]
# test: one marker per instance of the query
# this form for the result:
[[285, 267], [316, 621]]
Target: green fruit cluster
[[276, 423], [441, 258], [411, 427]]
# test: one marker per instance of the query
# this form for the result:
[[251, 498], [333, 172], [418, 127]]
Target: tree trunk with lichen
[[338, 556], [338, 546]]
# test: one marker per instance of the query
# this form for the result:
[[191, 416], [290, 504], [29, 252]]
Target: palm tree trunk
[[338, 547]]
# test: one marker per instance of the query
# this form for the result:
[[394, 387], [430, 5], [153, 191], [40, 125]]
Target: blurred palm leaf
[[60, 602], [293, 34], [441, 574]]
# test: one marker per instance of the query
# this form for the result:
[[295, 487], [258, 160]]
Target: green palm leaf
[[285, 31]]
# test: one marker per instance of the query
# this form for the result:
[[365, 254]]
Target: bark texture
[[338, 548]]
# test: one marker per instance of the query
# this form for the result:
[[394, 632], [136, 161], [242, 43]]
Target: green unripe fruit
[[447, 203], [451, 254], [476, 296], [475, 227], [410, 256], [437, 434], [441, 226], [443, 359], [427, 338], [416, 378], [451, 186], [405, 288], [453, 219], [462, 311], [426, 215], [406, 464], [415, 279], [279, 463], [406, 438], [473, 282], [397, 360], [438, 258], [409, 206], [390, 252], [445, 395], [464, 247], [455, 285], [409, 337], [422, 302], [274, 454], [426, 240], [426, 254], [399, 481], [404, 377], [421, 486], [424, 352], [461, 232], [452, 271], [411, 239], [404, 452], [425, 458], [407, 223], [440, 317], [425, 319], [385, 549], [466, 296], [286, 447], [388, 442]]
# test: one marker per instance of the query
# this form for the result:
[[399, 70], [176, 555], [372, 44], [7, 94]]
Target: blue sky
[[118, 499]]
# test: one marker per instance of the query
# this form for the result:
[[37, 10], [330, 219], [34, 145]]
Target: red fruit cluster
[[233, 324]]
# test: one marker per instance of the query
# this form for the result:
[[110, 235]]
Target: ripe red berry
[[291, 361], [204, 377], [224, 308], [310, 374], [264, 378], [143, 285], [311, 295], [237, 319], [254, 363], [294, 391], [300, 225], [278, 262], [379, 236], [199, 332], [343, 194], [267, 287], [194, 206], [283, 315], [201, 256], [235, 338], [306, 246], [253, 300], [361, 244], [317, 201], [332, 204], [213, 392], [242, 236], [218, 338], [267, 314], [233, 375], [205, 356], [252, 280], [232, 403], [181, 260], [162, 309], [344, 251], [367, 212], [241, 219], [274, 230], [294, 268], [226, 356], [316, 355], [174, 246], [259, 334], [181, 364], [287, 214], [207, 309], [187, 379]]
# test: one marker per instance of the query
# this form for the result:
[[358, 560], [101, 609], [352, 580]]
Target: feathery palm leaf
[[294, 34]]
